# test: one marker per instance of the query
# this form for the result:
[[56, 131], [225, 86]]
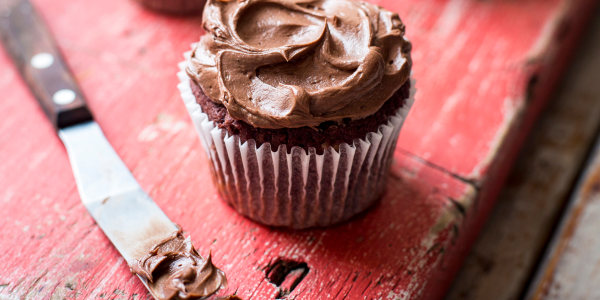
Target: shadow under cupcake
[[298, 105]]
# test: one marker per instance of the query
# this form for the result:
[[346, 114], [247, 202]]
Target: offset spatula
[[126, 214]]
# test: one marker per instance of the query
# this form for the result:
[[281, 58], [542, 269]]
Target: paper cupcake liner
[[296, 188]]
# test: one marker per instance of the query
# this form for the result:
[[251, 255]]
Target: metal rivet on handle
[[42, 60], [64, 97]]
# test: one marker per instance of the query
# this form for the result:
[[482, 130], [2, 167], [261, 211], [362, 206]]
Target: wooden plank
[[62, 252], [478, 75], [545, 64], [571, 269], [473, 103], [504, 257]]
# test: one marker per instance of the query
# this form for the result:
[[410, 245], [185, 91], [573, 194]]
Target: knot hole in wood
[[286, 274]]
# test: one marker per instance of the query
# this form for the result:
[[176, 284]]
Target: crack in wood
[[459, 206], [35, 282], [12, 291], [474, 183], [286, 274], [53, 290], [397, 283], [344, 284], [256, 288], [366, 287], [532, 85], [230, 297], [332, 283]]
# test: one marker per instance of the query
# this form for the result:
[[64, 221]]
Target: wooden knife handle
[[30, 44]]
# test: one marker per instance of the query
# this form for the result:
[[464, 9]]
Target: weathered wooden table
[[523, 250], [484, 71]]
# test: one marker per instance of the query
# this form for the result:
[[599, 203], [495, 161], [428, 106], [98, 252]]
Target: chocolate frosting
[[294, 63], [174, 270]]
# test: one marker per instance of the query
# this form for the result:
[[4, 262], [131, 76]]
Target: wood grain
[[473, 62], [505, 255], [571, 269]]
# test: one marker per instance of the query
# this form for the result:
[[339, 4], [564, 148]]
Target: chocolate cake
[[299, 104], [320, 137]]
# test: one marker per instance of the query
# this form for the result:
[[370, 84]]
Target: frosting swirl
[[174, 270], [295, 63]]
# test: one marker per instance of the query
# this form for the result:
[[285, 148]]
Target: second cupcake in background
[[174, 6], [299, 105]]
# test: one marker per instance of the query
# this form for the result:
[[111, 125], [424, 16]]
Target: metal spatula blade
[[126, 214]]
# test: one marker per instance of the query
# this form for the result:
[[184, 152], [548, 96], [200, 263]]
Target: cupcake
[[298, 104], [174, 6]]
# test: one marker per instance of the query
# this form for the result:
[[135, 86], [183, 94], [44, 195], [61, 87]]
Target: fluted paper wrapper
[[296, 188]]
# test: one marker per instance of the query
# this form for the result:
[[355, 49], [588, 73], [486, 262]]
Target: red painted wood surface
[[474, 64]]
